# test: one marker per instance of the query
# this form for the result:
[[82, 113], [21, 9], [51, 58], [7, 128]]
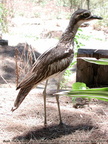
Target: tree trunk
[[88, 4]]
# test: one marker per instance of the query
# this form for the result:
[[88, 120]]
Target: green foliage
[[100, 7], [63, 3], [102, 61], [38, 1], [77, 38], [79, 86], [68, 3], [3, 21], [97, 93], [81, 90]]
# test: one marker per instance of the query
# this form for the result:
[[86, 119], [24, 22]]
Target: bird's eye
[[86, 15]]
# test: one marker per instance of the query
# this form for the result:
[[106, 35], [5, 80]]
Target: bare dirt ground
[[88, 125], [25, 125]]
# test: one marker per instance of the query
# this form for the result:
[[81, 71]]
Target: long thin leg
[[44, 95], [58, 104], [57, 99]]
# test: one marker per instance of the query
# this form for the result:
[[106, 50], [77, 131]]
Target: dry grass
[[25, 125], [24, 61]]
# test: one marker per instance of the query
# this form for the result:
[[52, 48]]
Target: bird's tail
[[21, 96]]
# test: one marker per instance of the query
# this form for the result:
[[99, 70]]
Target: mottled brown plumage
[[55, 60]]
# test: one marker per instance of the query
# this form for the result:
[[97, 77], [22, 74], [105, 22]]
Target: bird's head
[[81, 15]]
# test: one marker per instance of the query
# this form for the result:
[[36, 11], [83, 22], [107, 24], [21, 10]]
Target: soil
[[25, 125]]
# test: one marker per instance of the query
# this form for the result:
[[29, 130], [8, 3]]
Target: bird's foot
[[61, 123], [45, 125]]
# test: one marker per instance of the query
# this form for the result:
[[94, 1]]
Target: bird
[[54, 61]]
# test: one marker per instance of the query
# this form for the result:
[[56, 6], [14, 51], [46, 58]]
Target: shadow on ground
[[51, 132]]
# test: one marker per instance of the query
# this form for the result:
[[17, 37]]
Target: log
[[92, 74], [3, 42]]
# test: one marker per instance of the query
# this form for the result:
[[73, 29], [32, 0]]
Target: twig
[[33, 53], [17, 70], [5, 81], [24, 60]]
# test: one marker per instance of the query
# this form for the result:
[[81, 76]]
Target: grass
[[26, 124], [24, 61]]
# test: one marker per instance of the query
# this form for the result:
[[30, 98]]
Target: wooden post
[[91, 74]]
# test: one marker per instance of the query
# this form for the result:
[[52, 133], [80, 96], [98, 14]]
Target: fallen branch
[[5, 81]]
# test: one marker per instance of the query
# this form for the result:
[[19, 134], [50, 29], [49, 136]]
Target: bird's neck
[[67, 37]]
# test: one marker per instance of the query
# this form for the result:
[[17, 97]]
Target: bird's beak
[[94, 17]]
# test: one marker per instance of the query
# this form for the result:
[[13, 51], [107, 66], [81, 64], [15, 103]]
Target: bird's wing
[[49, 63], [29, 78]]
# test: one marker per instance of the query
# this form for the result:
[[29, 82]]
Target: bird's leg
[[57, 99], [44, 95]]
